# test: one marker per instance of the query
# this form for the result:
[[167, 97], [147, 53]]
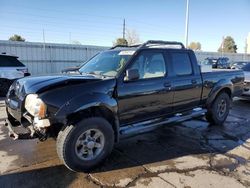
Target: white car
[[10, 70]]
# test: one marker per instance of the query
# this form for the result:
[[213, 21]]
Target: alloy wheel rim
[[89, 144], [222, 108]]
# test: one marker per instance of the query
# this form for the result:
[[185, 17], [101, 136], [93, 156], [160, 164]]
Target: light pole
[[187, 23]]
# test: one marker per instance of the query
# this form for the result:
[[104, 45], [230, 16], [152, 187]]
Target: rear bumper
[[246, 95]]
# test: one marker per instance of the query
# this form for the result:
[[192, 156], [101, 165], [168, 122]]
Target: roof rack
[[151, 43], [117, 46], [125, 46]]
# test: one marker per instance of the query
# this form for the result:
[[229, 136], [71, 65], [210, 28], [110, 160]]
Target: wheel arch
[[100, 110], [223, 85]]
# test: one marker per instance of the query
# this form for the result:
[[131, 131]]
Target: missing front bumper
[[31, 134]]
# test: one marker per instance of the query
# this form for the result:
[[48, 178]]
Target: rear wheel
[[4, 86], [219, 110], [85, 145]]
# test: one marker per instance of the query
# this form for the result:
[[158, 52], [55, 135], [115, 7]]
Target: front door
[[148, 97]]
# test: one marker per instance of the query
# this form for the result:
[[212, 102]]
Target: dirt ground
[[190, 154]]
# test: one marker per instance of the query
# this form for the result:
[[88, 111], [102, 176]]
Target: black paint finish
[[125, 102]]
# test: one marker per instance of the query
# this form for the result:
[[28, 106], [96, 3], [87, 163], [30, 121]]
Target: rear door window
[[8, 61], [181, 63]]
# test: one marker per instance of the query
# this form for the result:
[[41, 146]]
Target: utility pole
[[187, 23], [123, 32], [43, 40], [69, 37], [245, 52], [222, 46]]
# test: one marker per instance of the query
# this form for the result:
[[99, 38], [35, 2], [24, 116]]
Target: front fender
[[85, 101], [217, 88]]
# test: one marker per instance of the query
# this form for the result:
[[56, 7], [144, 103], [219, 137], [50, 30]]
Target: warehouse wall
[[48, 58], [232, 56]]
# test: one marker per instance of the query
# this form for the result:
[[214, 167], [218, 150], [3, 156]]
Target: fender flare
[[87, 101], [223, 84]]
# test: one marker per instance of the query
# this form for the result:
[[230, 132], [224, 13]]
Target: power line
[[87, 20], [43, 40]]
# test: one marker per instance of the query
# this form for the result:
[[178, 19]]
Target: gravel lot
[[191, 154]]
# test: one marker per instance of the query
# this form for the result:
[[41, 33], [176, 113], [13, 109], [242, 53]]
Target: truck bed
[[233, 78]]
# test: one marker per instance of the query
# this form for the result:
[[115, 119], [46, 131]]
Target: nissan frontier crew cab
[[120, 92]]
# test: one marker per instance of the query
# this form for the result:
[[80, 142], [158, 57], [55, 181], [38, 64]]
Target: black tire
[[68, 138], [215, 114], [4, 86]]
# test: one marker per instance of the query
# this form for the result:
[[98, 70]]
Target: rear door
[[187, 83]]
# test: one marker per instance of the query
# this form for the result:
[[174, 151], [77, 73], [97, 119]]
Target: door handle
[[167, 84], [194, 82]]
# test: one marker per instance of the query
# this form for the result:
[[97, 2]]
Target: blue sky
[[99, 22]]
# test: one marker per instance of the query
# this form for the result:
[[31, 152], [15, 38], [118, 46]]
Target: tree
[[120, 41], [195, 46], [17, 38], [132, 37], [228, 45]]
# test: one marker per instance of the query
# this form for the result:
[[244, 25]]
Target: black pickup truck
[[119, 92]]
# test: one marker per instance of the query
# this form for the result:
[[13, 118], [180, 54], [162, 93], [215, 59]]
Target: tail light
[[25, 71]]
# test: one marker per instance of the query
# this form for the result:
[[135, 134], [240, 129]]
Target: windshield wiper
[[94, 74], [89, 73]]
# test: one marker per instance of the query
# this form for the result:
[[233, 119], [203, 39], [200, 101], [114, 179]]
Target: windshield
[[107, 63]]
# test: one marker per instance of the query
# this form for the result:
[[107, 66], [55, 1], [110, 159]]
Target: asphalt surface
[[190, 154]]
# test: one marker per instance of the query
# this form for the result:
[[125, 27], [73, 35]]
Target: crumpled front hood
[[39, 84]]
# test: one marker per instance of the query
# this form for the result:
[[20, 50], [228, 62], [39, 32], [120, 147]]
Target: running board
[[149, 125]]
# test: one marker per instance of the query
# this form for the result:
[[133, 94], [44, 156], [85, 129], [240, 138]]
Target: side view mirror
[[132, 74]]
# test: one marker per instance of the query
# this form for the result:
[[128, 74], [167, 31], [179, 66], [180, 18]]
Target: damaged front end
[[26, 115], [27, 129]]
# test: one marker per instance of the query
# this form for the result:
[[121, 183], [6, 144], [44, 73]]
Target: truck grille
[[16, 91]]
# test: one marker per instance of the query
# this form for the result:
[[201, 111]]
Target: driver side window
[[150, 65]]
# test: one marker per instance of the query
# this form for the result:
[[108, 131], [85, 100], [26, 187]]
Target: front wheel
[[219, 110], [85, 145]]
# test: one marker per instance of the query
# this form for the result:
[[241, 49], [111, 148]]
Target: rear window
[[181, 64], [8, 61]]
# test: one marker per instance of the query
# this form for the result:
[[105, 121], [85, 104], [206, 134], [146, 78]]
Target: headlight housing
[[35, 106]]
